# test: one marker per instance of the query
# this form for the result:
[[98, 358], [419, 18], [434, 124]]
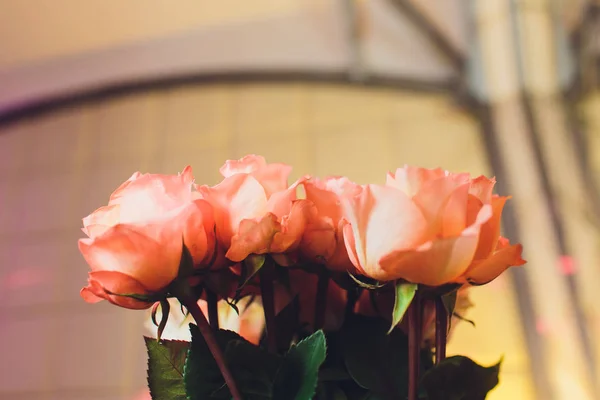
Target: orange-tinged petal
[[490, 231], [110, 284], [487, 270], [382, 220], [253, 237], [436, 262], [454, 217], [280, 203], [198, 230], [236, 198], [124, 249], [89, 296], [433, 197], [292, 227]]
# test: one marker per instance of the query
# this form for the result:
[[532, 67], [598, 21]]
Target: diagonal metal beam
[[431, 30]]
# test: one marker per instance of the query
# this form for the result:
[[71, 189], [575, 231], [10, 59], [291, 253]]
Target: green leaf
[[405, 292], [460, 378], [201, 375], [166, 360], [253, 368], [298, 375], [252, 264], [366, 285], [375, 360]]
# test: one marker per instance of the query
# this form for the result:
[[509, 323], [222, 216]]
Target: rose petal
[[454, 217], [382, 220], [124, 249], [490, 231], [253, 237], [489, 269], [236, 198], [110, 284], [482, 187], [434, 195], [101, 219], [410, 179]]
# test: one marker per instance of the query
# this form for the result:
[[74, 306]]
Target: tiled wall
[[56, 168]]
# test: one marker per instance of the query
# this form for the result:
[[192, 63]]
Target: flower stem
[[213, 310], [415, 312], [211, 341], [268, 300], [321, 301], [441, 330]]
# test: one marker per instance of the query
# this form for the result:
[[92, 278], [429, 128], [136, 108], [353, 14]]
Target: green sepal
[[460, 378], [404, 293], [366, 285], [250, 267], [186, 263], [165, 307], [449, 301], [298, 376], [166, 360]]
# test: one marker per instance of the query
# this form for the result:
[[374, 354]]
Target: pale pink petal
[[280, 203], [383, 220], [410, 179], [245, 165], [482, 187], [236, 198], [101, 219]]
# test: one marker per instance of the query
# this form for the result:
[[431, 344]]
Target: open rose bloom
[[275, 263]]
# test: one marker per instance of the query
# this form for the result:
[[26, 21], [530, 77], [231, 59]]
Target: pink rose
[[256, 212], [429, 227], [134, 243], [323, 238]]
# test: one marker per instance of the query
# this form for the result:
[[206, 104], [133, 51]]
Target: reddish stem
[[213, 310], [321, 301], [415, 312], [268, 300], [209, 336], [441, 330]]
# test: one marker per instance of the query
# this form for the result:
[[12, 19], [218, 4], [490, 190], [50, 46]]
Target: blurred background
[[91, 91]]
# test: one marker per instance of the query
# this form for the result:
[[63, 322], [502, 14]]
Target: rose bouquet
[[346, 292]]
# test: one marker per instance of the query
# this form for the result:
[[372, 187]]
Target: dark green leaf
[[366, 282], [460, 378], [375, 360], [298, 375], [405, 292], [253, 368], [166, 360], [201, 374]]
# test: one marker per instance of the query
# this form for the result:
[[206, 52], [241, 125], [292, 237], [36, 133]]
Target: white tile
[[25, 347]]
